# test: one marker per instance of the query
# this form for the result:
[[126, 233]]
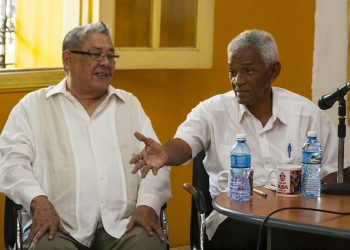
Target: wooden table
[[255, 211]]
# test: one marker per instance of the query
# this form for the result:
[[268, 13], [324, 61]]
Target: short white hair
[[255, 39], [76, 37]]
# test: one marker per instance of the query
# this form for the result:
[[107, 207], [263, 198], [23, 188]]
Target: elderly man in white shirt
[[65, 150], [273, 119]]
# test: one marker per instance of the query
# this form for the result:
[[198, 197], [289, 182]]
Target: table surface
[[259, 207]]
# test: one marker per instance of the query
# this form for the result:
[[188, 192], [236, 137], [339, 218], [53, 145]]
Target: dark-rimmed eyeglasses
[[98, 56]]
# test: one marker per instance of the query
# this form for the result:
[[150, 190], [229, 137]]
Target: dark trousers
[[235, 235]]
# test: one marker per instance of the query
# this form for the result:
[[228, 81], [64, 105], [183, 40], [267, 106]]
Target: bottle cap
[[311, 133], [240, 136]]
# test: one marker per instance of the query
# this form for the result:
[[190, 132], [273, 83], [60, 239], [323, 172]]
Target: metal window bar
[[7, 30]]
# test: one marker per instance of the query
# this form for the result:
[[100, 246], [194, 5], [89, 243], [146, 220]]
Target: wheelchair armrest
[[199, 200], [198, 197]]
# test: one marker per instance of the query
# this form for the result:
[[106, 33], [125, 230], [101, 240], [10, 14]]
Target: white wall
[[330, 62]]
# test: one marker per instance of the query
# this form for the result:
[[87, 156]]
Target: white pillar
[[330, 59]]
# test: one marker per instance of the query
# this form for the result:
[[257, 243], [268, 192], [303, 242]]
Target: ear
[[275, 70], [66, 60]]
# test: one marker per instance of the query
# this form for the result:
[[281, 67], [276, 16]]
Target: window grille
[[7, 32]]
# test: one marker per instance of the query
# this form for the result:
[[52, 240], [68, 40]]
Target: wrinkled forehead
[[244, 55], [97, 40]]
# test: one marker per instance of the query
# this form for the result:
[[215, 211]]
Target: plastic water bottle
[[240, 187], [310, 166]]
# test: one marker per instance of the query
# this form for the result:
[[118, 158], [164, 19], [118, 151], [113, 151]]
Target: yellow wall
[[168, 95]]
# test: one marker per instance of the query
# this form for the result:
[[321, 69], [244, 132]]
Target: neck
[[262, 110], [86, 97], [90, 102]]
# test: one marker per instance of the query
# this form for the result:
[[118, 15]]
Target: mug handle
[[269, 184], [218, 181]]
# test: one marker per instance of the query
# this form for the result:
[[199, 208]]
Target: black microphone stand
[[339, 188]]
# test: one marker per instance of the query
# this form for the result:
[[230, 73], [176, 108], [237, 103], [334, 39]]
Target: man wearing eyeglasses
[[64, 155]]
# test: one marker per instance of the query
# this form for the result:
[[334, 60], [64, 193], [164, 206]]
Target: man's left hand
[[147, 218]]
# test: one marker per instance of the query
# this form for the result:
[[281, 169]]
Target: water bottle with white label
[[310, 166], [240, 185]]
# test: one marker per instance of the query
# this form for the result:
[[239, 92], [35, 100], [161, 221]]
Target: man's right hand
[[45, 219], [151, 157]]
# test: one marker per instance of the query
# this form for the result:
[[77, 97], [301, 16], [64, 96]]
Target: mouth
[[241, 93], [103, 75]]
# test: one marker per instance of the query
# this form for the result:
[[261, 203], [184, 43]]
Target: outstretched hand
[[151, 157]]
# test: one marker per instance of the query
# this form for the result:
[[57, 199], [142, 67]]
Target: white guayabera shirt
[[213, 124], [50, 146]]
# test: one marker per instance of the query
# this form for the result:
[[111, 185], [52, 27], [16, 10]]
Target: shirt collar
[[277, 109], [242, 110], [61, 88]]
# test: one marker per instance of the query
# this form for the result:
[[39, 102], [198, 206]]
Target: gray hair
[[75, 38], [255, 39]]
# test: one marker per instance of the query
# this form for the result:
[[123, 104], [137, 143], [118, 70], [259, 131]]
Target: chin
[[102, 85], [243, 101]]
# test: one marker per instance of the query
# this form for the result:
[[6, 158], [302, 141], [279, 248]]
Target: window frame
[[20, 80], [163, 58], [78, 12], [28, 79]]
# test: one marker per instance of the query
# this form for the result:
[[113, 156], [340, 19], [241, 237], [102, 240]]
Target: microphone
[[327, 101]]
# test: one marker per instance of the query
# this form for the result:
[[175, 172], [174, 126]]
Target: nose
[[105, 60], [239, 79]]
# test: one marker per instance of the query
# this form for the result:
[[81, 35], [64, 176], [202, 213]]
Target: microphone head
[[325, 103]]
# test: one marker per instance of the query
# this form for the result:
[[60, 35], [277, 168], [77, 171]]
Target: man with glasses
[[64, 155]]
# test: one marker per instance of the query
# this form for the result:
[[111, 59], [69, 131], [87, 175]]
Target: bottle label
[[311, 157], [240, 161]]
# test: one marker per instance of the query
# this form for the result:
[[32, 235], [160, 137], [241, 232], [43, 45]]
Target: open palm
[[151, 157]]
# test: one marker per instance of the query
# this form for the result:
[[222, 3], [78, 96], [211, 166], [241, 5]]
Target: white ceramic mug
[[227, 172], [219, 177], [288, 180]]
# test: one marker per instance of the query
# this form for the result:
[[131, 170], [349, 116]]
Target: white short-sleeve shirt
[[213, 124]]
